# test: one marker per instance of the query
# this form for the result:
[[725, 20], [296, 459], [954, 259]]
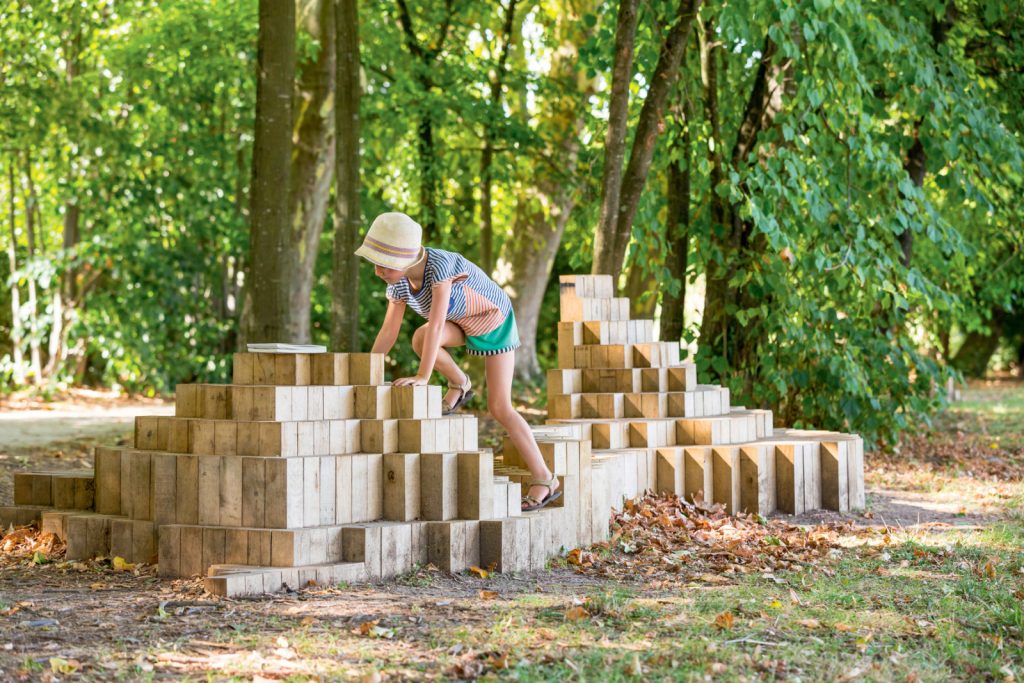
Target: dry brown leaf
[[488, 595], [482, 573], [576, 613], [724, 621], [809, 623]]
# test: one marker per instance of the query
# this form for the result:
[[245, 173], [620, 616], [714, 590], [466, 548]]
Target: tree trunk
[[975, 353], [615, 138], [347, 217], [33, 318], [543, 211], [17, 357], [677, 193], [313, 156], [268, 312], [642, 291], [426, 152], [648, 127]]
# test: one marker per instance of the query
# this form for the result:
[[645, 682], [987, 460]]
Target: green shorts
[[503, 338]]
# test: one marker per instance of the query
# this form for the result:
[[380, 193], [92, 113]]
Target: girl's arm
[[440, 298], [389, 328]]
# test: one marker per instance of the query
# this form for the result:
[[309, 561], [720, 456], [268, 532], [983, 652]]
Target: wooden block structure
[[310, 469], [652, 426]]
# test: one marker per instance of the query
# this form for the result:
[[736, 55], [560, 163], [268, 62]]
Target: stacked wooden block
[[652, 426], [307, 468]]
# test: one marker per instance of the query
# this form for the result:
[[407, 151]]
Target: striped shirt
[[478, 305]]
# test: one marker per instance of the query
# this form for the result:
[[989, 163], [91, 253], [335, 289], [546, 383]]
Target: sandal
[[467, 393], [553, 495]]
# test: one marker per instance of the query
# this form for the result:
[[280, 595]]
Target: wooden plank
[[698, 483], [310, 491], [789, 479], [366, 368], [213, 546], [342, 489], [231, 491], [254, 481], [329, 368], [475, 479], [187, 489], [505, 544], [360, 494], [381, 436], [225, 437], [170, 551], [209, 490], [243, 366], [108, 480], [141, 485], [144, 542], [362, 543], [191, 558], [835, 493], [757, 479], [726, 477], [186, 400], [396, 550], [284, 488], [670, 471], [328, 497], [374, 485], [414, 402], [165, 487], [439, 493], [401, 486], [236, 546]]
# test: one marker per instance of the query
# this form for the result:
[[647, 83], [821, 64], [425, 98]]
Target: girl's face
[[388, 275]]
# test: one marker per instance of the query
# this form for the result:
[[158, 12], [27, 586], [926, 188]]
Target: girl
[[462, 306]]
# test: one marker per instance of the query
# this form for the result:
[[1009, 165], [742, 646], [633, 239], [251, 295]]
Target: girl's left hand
[[416, 381]]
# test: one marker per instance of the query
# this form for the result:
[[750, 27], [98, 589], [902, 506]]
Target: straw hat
[[393, 241]]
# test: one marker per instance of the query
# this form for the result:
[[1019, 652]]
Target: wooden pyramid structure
[[309, 469]]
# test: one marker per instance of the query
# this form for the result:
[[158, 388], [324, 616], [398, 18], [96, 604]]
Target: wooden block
[[757, 479], [230, 491], [453, 546], [414, 402], [670, 471], [329, 369], [563, 382], [726, 478], [855, 474], [314, 403], [363, 543], [144, 542], [141, 485], [202, 437], [146, 433], [310, 491], [291, 369], [366, 368], [186, 400], [191, 558], [178, 435], [107, 463], [209, 490], [401, 486], [683, 378], [225, 437], [236, 546], [789, 479], [439, 493], [254, 478], [213, 546], [346, 436], [360, 493], [121, 539], [283, 502], [381, 436], [186, 491], [375, 485], [539, 533], [259, 544], [170, 551], [416, 436], [165, 487], [698, 482], [328, 497], [812, 474], [396, 550], [555, 455], [565, 407], [214, 401], [243, 366], [306, 438], [278, 439], [342, 489], [373, 402], [475, 479], [62, 492], [505, 544], [339, 403], [99, 535], [514, 499]]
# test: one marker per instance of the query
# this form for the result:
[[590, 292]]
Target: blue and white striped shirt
[[478, 305]]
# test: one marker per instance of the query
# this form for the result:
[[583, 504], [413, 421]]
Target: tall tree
[[494, 112], [31, 211], [269, 313], [610, 247], [17, 358], [677, 224], [313, 156], [426, 56], [347, 216]]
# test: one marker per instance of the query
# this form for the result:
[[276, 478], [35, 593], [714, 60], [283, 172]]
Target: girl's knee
[[501, 410], [417, 341]]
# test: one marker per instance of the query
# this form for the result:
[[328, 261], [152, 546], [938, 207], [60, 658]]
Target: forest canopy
[[819, 198]]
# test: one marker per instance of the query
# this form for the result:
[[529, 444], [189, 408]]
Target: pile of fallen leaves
[[29, 543], [666, 537]]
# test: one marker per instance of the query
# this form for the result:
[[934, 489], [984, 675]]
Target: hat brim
[[385, 261]]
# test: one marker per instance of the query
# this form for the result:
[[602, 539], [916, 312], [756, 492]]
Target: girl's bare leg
[[451, 335], [498, 370]]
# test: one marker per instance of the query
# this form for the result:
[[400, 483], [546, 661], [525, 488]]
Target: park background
[[819, 198]]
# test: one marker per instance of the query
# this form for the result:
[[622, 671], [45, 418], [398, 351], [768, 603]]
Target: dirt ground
[[83, 620]]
